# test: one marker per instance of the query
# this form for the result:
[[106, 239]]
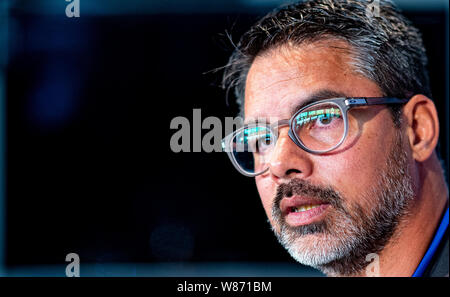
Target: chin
[[315, 250]]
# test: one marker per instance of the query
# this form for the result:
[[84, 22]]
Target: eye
[[255, 139], [324, 120], [318, 118], [263, 143]]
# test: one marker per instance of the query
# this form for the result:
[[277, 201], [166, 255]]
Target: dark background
[[88, 165]]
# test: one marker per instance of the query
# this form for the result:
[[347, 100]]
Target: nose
[[288, 160]]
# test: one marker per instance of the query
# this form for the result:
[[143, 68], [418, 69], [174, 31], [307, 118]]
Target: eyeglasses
[[317, 128]]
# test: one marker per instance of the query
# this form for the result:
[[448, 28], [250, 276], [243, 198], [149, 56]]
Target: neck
[[405, 250]]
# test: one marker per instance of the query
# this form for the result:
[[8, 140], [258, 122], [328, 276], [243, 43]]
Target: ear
[[422, 126]]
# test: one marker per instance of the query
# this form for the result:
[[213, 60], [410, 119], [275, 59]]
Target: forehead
[[281, 79]]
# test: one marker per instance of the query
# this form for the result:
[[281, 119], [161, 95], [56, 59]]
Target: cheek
[[340, 173], [266, 190], [354, 170]]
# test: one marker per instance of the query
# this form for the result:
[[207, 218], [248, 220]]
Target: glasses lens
[[320, 127], [251, 148]]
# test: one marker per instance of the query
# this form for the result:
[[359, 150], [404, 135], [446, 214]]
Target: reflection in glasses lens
[[319, 127], [252, 147]]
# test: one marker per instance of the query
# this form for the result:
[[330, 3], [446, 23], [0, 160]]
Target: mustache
[[299, 187]]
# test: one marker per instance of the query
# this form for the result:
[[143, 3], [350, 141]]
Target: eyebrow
[[316, 96]]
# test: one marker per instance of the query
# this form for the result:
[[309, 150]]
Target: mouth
[[300, 211]]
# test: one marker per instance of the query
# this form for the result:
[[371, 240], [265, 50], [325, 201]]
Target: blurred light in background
[[53, 100], [4, 10], [137, 7]]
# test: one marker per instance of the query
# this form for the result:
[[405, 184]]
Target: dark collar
[[439, 263]]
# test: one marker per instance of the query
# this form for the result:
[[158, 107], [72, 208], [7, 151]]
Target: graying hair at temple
[[386, 48]]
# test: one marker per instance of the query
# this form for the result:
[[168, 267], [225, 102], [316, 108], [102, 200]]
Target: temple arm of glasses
[[357, 101]]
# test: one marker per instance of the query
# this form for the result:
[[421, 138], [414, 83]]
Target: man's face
[[359, 188]]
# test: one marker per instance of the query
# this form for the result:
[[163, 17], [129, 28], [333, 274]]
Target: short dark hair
[[386, 47]]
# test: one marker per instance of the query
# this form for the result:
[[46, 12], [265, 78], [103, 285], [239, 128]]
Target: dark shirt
[[436, 261]]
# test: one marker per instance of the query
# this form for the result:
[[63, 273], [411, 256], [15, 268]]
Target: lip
[[305, 217]]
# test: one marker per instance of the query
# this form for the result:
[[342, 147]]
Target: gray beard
[[339, 244]]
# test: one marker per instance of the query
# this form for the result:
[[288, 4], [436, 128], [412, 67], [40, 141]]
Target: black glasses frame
[[344, 103]]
